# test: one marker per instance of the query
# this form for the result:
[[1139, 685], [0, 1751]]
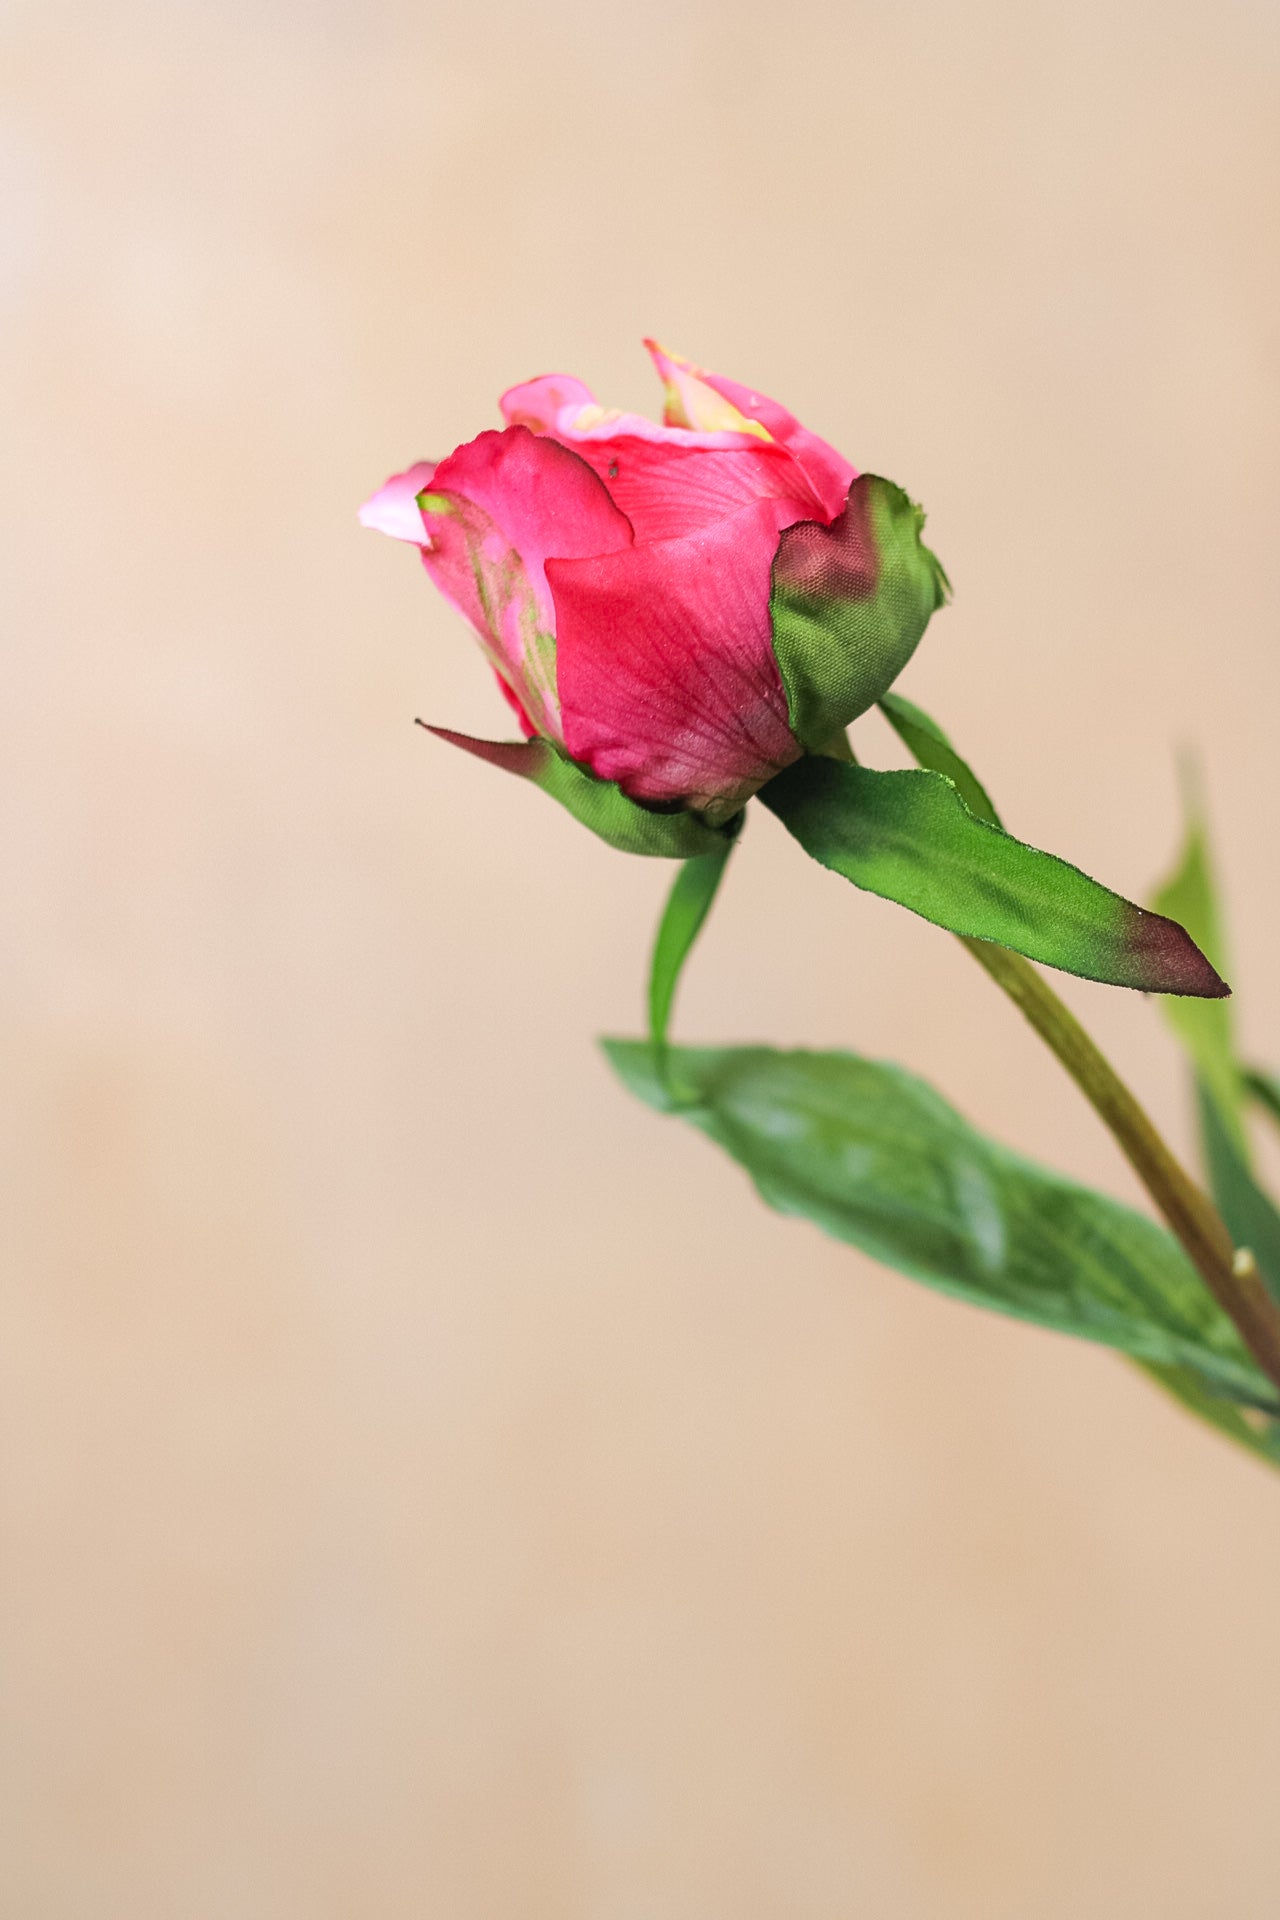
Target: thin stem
[[1231, 1276]]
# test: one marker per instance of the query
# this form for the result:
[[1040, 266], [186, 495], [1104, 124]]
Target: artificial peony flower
[[676, 612]]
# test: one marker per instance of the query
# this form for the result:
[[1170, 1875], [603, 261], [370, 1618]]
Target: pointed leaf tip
[[524, 757], [1170, 959]]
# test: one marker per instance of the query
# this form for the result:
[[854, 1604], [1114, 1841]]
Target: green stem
[[1231, 1276]]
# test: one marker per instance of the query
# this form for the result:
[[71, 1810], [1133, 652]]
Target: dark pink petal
[[667, 480], [828, 472], [667, 489], [494, 512], [668, 683], [516, 704]]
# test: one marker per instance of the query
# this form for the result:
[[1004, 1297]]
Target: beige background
[[433, 1485]]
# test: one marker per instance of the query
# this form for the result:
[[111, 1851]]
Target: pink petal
[[667, 480], [537, 403], [540, 495], [668, 682], [516, 704], [496, 510], [563, 407], [394, 508], [692, 402], [667, 488], [828, 472]]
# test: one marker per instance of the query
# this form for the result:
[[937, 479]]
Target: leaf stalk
[[1230, 1274]]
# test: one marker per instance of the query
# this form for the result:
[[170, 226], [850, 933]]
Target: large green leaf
[[878, 1159], [910, 837]]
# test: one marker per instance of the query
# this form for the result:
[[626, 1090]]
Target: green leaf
[[1250, 1214], [688, 905], [1206, 1028], [1263, 1087], [1207, 1032], [598, 804], [925, 739], [849, 603], [878, 1159], [1187, 1389], [910, 837]]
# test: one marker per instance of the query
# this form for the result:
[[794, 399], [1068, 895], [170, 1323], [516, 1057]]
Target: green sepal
[[929, 745], [910, 838], [876, 1158], [688, 904], [849, 603], [599, 804]]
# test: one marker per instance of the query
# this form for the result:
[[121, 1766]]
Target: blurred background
[[433, 1484]]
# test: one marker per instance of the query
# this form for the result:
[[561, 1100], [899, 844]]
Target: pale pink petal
[[538, 403], [668, 683], [559, 405], [690, 402], [829, 473], [580, 422], [393, 509]]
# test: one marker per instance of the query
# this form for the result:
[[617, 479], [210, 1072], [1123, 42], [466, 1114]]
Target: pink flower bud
[[640, 594]]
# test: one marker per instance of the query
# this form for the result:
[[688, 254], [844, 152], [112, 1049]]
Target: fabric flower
[[676, 612]]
